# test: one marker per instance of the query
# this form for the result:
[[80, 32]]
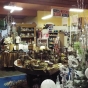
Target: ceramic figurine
[[18, 39], [58, 83]]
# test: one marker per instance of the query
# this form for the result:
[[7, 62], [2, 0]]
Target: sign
[[56, 12], [64, 21], [61, 13], [65, 13], [74, 19], [85, 20], [45, 34]]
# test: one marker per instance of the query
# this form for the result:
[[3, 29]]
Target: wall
[[30, 20], [56, 20], [83, 16], [40, 23], [18, 20]]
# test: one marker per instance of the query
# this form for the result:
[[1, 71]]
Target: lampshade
[[48, 83]]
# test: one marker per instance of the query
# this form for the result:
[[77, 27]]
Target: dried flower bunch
[[8, 40]]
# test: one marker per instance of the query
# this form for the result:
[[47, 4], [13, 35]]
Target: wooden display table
[[7, 58], [39, 74]]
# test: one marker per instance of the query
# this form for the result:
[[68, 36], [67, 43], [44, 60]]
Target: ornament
[[48, 83], [64, 69], [72, 62], [86, 72]]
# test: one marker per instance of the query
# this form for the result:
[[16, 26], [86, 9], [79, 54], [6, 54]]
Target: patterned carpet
[[16, 81], [9, 73], [10, 78]]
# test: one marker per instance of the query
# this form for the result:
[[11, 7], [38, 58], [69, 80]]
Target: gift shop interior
[[47, 40]]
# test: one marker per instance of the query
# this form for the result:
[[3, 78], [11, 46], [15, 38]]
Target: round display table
[[37, 75]]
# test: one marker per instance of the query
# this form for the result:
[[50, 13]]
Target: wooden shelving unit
[[51, 39], [42, 42], [28, 32]]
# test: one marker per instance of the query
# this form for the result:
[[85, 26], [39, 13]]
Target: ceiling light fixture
[[76, 10], [46, 17], [13, 8], [13, 22]]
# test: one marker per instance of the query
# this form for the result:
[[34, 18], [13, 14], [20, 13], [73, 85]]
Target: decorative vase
[[11, 46], [6, 47]]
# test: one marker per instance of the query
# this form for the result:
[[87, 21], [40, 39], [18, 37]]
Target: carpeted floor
[[16, 81], [10, 78], [9, 72]]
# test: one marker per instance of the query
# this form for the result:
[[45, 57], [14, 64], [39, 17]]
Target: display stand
[[52, 36], [42, 42], [38, 74], [28, 33], [63, 39]]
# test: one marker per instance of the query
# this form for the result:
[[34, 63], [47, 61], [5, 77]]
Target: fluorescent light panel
[[76, 10], [13, 8], [46, 17], [13, 22]]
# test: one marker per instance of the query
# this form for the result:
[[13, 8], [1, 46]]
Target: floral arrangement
[[8, 40]]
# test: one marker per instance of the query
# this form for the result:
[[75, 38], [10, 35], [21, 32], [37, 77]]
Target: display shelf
[[42, 42], [51, 39], [52, 43], [52, 35], [27, 37], [28, 31], [53, 32]]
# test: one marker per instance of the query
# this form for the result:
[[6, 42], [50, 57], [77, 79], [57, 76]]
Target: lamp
[[13, 8], [76, 10]]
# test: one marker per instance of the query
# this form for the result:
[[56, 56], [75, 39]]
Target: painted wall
[[18, 20], [40, 23], [83, 14], [55, 20], [30, 20]]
